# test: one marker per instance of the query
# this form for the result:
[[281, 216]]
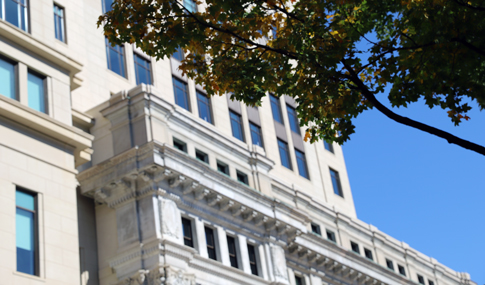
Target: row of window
[[330, 234], [212, 246], [36, 90], [204, 157]]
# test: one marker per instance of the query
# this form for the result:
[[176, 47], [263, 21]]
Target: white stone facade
[[112, 190]]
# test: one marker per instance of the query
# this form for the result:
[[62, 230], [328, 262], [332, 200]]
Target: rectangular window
[[202, 156], [293, 119], [331, 236], [26, 232], [337, 188], [107, 5], [187, 232], [211, 243], [190, 5], [231, 244], [178, 54], [402, 271], [180, 145], [256, 136], [420, 279], [430, 282], [368, 253], [299, 280], [7, 79], [275, 107], [301, 162], [242, 177], [236, 125], [180, 92], [222, 167], [284, 154], [142, 70], [390, 264], [59, 28], [316, 229], [204, 104], [355, 247], [328, 146], [116, 58], [252, 259], [15, 12], [36, 92]]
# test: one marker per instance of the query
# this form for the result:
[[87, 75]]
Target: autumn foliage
[[335, 57]]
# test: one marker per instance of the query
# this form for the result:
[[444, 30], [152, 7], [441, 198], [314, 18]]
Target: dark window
[[242, 177], [178, 54], [293, 119], [328, 146], [211, 243], [180, 145], [236, 125], [275, 107], [337, 188], [8, 78], [256, 136], [299, 280], [187, 231], [107, 5], [26, 232], [59, 28], [430, 282], [231, 244], [142, 70], [402, 271], [36, 92], [301, 162], [116, 58], [181, 95], [202, 156], [190, 5], [355, 247], [222, 167], [316, 229], [15, 12], [368, 253], [420, 278], [204, 104], [252, 259], [331, 236], [284, 154], [389, 264]]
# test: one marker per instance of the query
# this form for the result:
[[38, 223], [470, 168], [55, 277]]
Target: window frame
[[21, 9], [302, 164], [206, 156], [104, 8], [258, 133], [299, 280], [316, 229], [178, 54], [402, 270], [62, 22], [331, 235], [328, 146], [235, 118], [293, 119], [339, 191], [389, 264], [234, 256], [182, 144], [245, 177], [223, 165], [211, 248], [190, 239], [15, 77], [420, 278], [355, 247], [35, 230], [284, 146], [148, 69], [368, 254], [276, 109], [207, 104], [185, 91], [254, 263], [121, 57], [45, 94]]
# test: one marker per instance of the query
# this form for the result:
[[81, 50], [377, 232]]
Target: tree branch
[[409, 122]]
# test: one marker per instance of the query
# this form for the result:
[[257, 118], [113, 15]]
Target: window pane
[[107, 5], [231, 244], [59, 23], [275, 108], [284, 154], [12, 12], [337, 188], [178, 54], [25, 241], [7, 79], [116, 58], [203, 103], [142, 70], [180, 92], [252, 259], [328, 146], [236, 125], [301, 161], [35, 89], [209, 238], [187, 232], [256, 136], [25, 200], [293, 118]]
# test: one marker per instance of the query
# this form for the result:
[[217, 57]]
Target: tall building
[[116, 169]]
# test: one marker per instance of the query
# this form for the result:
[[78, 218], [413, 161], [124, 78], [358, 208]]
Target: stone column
[[223, 249], [243, 250], [201, 241]]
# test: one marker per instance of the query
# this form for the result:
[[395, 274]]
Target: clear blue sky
[[418, 188]]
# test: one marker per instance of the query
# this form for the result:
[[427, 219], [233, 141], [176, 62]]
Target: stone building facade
[[116, 169]]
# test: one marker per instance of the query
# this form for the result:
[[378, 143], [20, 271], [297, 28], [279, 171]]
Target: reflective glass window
[[142, 70], [7, 79], [36, 92]]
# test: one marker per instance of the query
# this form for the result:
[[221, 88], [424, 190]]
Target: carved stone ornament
[[170, 218], [279, 263], [178, 277]]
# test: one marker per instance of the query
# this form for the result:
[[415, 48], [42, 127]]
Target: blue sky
[[418, 188]]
